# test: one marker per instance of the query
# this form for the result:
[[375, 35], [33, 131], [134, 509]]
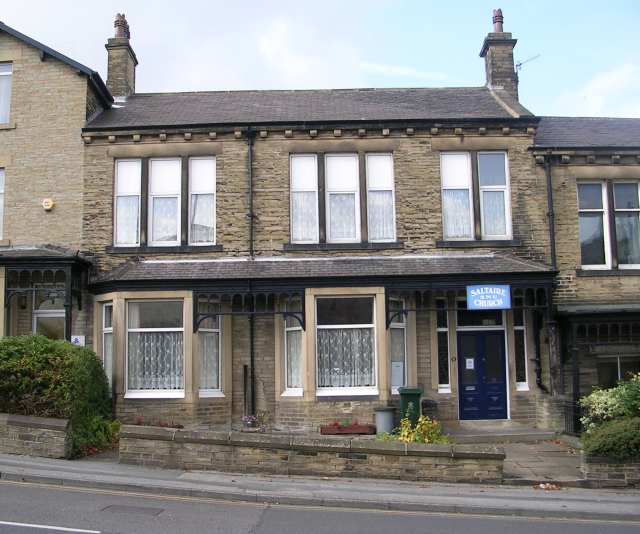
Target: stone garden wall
[[605, 472], [34, 436], [287, 454]]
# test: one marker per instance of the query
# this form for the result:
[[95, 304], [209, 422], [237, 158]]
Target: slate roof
[[44, 253], [587, 132], [338, 267], [94, 78], [306, 106]]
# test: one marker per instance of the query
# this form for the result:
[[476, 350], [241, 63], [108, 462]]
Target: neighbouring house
[[307, 253]]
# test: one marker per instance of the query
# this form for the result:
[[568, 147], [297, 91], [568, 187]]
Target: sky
[[587, 53]]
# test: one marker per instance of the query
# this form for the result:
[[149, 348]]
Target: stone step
[[502, 437]]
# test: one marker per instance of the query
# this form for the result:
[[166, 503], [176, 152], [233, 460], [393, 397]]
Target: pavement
[[551, 461], [103, 473]]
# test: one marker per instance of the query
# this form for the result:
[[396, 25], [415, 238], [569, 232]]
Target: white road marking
[[49, 527]]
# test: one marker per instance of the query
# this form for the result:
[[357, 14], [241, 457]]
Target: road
[[27, 508]]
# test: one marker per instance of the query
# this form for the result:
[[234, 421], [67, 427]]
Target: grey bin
[[384, 420]]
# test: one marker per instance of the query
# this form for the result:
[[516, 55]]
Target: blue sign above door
[[488, 297]]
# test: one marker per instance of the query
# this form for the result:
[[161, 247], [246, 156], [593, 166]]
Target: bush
[[604, 405], [619, 439], [425, 431], [47, 378]]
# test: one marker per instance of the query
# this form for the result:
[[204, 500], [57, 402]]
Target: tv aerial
[[519, 64]]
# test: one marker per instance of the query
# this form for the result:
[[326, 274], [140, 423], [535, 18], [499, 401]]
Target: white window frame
[[115, 202], [348, 391], [297, 327], [192, 192], [36, 314], [505, 189], [625, 210], [9, 74], [521, 386], [177, 196], [469, 190], [605, 224], [356, 194], [393, 196], [107, 330], [443, 388], [3, 175], [399, 322], [316, 239], [219, 391], [152, 393]]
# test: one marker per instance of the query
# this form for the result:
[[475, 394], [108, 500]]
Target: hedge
[[48, 378], [618, 439]]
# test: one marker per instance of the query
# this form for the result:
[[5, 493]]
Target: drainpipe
[[252, 326], [550, 212], [251, 134]]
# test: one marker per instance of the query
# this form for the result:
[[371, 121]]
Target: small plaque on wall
[[78, 341]]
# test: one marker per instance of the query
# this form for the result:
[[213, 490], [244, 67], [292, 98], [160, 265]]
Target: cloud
[[614, 92], [401, 71]]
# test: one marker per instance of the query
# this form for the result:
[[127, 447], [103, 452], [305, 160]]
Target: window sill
[[340, 393], [8, 126], [522, 386], [292, 392], [444, 390], [479, 243], [607, 272], [155, 394], [211, 394], [306, 247], [178, 249]]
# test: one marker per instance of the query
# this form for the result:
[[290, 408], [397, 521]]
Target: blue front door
[[482, 380]]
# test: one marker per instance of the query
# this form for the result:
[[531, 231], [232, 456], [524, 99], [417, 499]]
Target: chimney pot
[[122, 27], [498, 19]]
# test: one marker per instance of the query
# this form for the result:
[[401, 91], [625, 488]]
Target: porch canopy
[[276, 285], [44, 274]]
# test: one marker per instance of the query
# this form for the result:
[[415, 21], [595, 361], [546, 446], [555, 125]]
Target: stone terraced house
[[307, 253]]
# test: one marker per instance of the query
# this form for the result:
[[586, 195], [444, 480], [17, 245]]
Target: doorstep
[[484, 432]]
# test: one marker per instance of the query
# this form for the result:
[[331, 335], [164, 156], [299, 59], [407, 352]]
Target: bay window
[[155, 349], [293, 351], [127, 202], [475, 196], [343, 198], [609, 224], [380, 197], [164, 201], [398, 345], [304, 198], [107, 341], [6, 73], [346, 348], [210, 337], [202, 191], [48, 315]]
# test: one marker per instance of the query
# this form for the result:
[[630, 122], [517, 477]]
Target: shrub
[[619, 439], [47, 378], [609, 404], [425, 431]]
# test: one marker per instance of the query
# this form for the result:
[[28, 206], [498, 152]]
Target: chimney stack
[[497, 52], [122, 61]]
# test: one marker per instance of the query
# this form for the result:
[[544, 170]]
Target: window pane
[[441, 305], [212, 322], [518, 317], [341, 311], [491, 169], [381, 223], [45, 300], [342, 172], [590, 196], [456, 171], [398, 356], [294, 305], [521, 359], [107, 356], [202, 173], [443, 358], [156, 314], [457, 216], [108, 316], [304, 173], [628, 236], [345, 357], [154, 360], [380, 171], [201, 227], [5, 69], [164, 176], [294, 370], [128, 174], [626, 196], [607, 373], [304, 216], [165, 219], [127, 224], [478, 317], [591, 239], [5, 94], [494, 222], [210, 365], [51, 327], [342, 216], [1, 180]]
